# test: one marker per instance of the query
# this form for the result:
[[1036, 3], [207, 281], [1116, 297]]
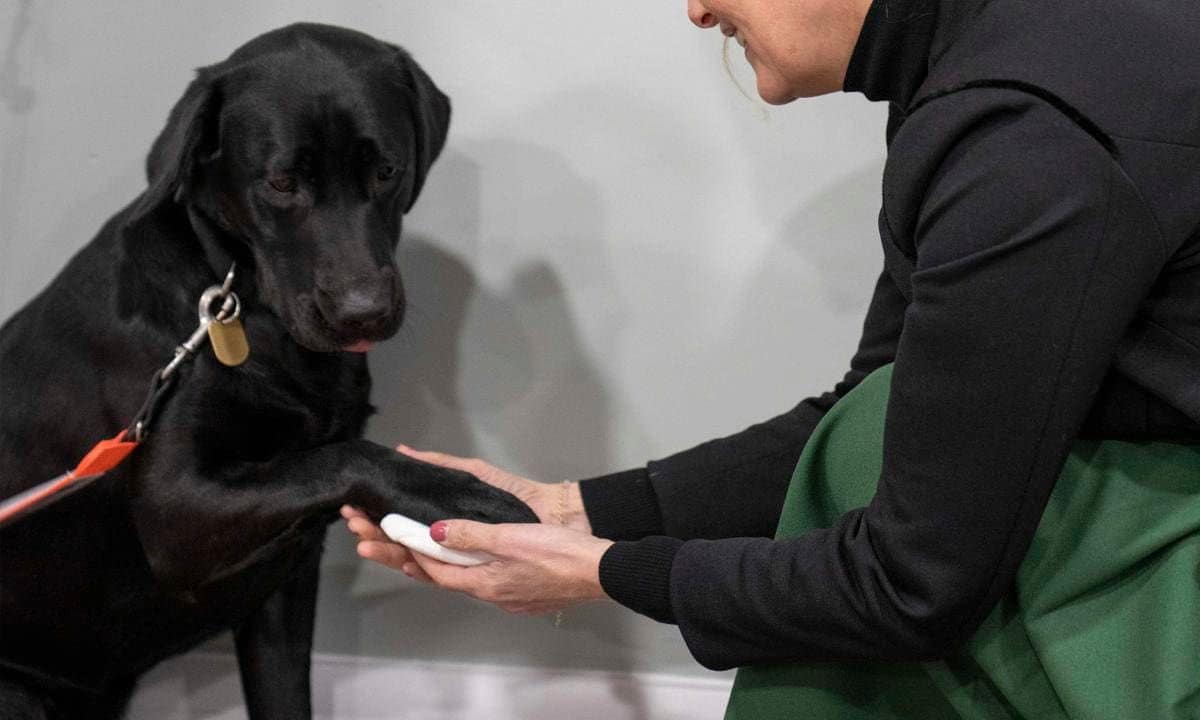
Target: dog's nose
[[361, 304], [363, 307]]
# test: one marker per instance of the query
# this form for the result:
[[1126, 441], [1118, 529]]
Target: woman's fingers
[[450, 577], [349, 511], [366, 530], [414, 571], [385, 553], [375, 545], [436, 458], [394, 556]]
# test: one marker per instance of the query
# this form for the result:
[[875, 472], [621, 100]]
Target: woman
[[1036, 328]]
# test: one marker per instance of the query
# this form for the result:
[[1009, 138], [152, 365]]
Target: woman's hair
[[762, 111]]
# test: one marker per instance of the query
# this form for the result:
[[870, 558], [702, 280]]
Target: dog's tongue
[[359, 347]]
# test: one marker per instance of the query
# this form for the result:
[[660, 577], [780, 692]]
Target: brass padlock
[[229, 343], [225, 330]]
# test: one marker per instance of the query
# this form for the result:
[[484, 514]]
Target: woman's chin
[[777, 88], [775, 93], [774, 90], [771, 87]]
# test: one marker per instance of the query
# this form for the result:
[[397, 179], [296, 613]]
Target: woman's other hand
[[553, 503], [538, 568]]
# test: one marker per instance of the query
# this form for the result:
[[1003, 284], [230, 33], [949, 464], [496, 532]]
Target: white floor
[[205, 686]]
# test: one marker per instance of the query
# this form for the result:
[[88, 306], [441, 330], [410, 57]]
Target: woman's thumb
[[463, 534]]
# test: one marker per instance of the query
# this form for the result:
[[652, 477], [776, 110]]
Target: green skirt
[[1103, 621]]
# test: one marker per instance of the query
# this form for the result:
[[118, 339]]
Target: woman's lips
[[359, 347], [733, 32]]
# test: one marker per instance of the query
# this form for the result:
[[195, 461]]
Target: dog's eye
[[283, 183], [386, 172]]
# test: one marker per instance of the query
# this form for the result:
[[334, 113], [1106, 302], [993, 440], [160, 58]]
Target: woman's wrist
[[570, 508], [560, 504]]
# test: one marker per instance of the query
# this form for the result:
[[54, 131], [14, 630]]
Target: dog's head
[[304, 150]]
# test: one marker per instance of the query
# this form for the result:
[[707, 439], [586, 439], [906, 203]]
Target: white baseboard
[[205, 686]]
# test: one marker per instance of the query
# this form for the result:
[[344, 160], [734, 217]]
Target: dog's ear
[[431, 117], [190, 130]]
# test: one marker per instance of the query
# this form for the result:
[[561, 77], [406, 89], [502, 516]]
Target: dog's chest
[[281, 400]]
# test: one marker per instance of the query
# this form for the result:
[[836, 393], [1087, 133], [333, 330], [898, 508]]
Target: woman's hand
[[538, 568], [553, 503]]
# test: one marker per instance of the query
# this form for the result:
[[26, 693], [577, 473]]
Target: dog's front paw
[[479, 501], [429, 493]]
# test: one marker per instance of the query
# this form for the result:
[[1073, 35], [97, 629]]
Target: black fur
[[217, 521]]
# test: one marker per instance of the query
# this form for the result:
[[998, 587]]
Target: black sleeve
[[734, 486], [1033, 252]]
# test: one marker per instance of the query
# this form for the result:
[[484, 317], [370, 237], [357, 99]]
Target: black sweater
[[1040, 227]]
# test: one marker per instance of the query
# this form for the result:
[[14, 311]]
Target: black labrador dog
[[295, 160]]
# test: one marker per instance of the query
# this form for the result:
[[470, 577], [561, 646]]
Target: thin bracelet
[[561, 519], [561, 514]]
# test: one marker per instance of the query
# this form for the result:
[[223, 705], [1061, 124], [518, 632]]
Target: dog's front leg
[[274, 647], [199, 524]]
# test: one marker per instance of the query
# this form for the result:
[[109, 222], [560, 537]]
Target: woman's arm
[[1034, 252]]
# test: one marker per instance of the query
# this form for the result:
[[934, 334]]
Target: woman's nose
[[699, 15]]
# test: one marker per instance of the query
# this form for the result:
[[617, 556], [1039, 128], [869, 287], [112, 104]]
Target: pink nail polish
[[437, 531]]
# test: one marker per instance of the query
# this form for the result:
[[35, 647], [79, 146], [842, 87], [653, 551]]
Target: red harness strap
[[106, 455]]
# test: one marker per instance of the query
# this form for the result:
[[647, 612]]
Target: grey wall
[[616, 257]]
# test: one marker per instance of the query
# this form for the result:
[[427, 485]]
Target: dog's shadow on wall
[[492, 364]]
